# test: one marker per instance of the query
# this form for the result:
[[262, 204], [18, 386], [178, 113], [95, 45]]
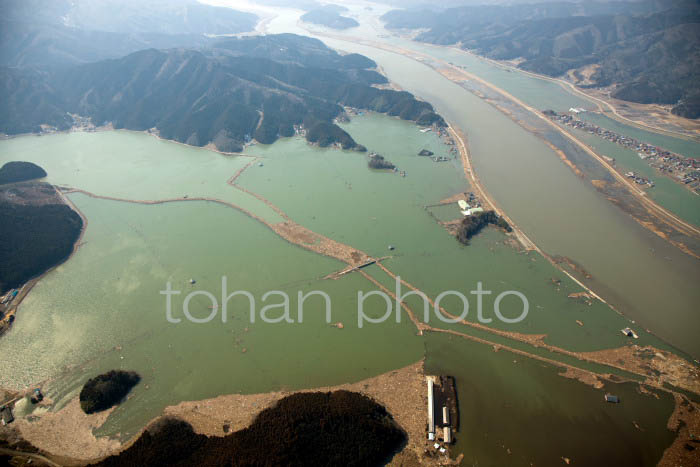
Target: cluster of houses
[[81, 123], [8, 297], [299, 130], [6, 301], [6, 315], [685, 169], [639, 179], [448, 140]]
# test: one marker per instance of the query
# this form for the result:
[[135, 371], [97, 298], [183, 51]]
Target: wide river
[[642, 275]]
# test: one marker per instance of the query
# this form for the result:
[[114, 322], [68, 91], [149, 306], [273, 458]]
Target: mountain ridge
[[647, 54], [225, 95]]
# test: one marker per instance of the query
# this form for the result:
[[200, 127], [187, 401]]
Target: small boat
[[629, 333]]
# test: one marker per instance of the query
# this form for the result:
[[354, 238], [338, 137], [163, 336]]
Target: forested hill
[[38, 230], [254, 87], [19, 171], [648, 51]]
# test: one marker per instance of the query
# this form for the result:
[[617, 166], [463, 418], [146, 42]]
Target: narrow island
[[107, 390]]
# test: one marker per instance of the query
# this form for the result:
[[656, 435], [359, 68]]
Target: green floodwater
[[135, 166], [371, 210], [446, 212], [516, 411], [103, 310], [561, 213]]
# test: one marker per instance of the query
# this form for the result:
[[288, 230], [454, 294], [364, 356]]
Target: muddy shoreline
[[66, 436]]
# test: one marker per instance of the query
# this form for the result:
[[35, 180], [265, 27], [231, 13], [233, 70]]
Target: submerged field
[[103, 309]]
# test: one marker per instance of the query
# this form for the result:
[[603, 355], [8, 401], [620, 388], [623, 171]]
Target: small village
[[685, 170], [639, 179]]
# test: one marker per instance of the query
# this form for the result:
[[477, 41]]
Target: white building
[[431, 411]]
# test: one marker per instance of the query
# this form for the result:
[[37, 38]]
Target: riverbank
[[644, 116], [67, 435], [632, 199], [658, 213]]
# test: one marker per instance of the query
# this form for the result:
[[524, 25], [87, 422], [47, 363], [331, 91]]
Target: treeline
[[333, 428], [18, 171], [378, 162], [34, 239], [472, 225], [107, 390]]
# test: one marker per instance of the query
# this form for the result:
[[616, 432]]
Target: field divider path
[[301, 236]]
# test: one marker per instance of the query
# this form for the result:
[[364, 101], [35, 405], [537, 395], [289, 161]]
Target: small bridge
[[348, 270]]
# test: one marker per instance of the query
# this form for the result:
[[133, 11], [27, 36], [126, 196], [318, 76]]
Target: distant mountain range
[[649, 51], [226, 94], [131, 16], [57, 32]]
